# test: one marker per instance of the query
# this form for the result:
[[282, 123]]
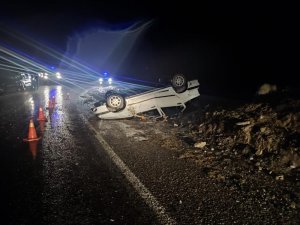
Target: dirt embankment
[[268, 135], [252, 144]]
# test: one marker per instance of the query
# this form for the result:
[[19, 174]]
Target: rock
[[243, 123], [281, 177], [293, 205], [200, 144]]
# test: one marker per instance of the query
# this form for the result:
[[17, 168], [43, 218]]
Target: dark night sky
[[228, 47]]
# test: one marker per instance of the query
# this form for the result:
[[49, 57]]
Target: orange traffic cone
[[41, 115], [31, 133]]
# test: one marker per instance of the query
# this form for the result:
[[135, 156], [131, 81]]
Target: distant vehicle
[[116, 106], [29, 80], [26, 79], [105, 80]]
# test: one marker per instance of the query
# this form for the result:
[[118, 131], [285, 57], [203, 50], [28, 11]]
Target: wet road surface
[[64, 179], [90, 171]]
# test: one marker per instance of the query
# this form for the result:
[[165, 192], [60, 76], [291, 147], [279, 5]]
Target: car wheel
[[115, 102], [179, 83]]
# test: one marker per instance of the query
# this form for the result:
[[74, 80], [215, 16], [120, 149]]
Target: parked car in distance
[[117, 106], [29, 80]]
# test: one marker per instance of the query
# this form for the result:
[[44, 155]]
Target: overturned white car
[[176, 95]]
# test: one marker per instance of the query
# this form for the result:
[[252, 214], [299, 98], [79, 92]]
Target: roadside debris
[[260, 132], [243, 147], [200, 144], [243, 123]]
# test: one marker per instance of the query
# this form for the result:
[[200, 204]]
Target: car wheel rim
[[115, 101], [179, 81]]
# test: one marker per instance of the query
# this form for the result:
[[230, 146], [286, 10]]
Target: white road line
[[150, 200]]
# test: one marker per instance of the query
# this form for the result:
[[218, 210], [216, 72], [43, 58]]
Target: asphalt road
[[67, 179], [90, 171]]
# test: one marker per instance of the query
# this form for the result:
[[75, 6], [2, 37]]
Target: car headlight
[[58, 75]]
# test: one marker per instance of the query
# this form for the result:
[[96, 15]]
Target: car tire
[[179, 83], [115, 102]]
